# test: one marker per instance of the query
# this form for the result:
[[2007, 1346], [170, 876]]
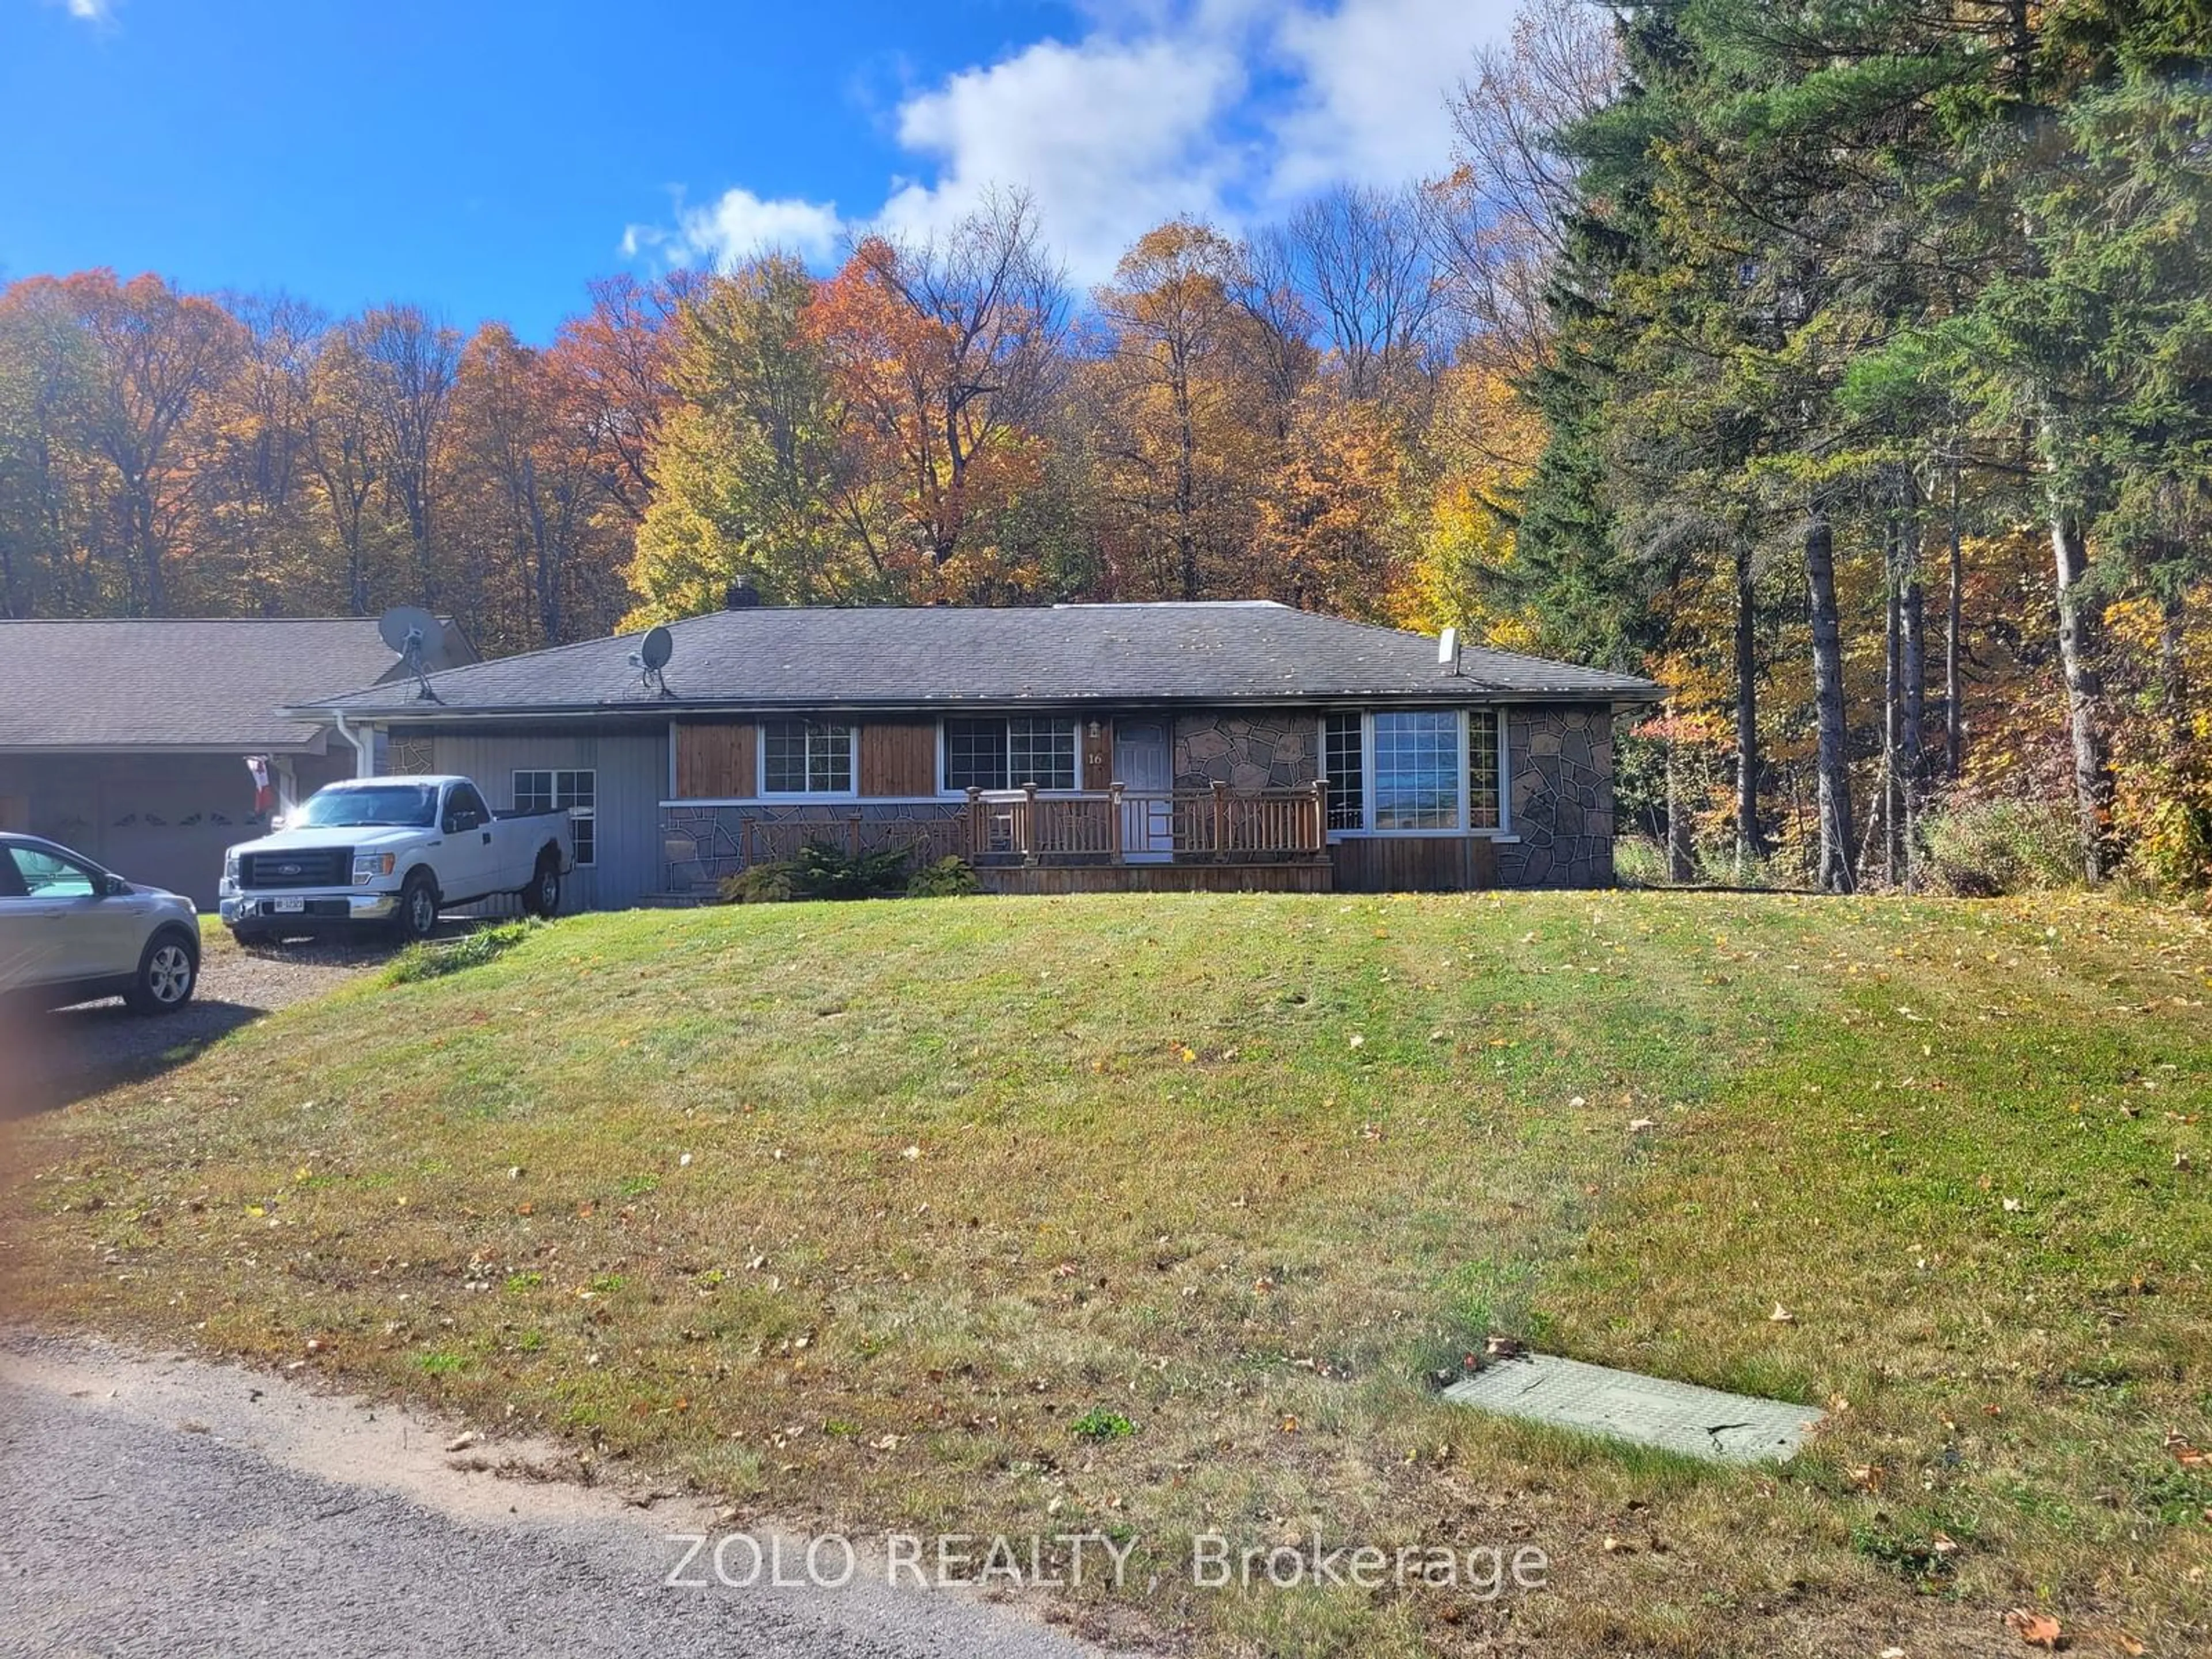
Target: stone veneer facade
[[1246, 752], [1560, 763], [702, 845]]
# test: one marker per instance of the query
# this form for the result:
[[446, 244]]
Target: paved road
[[164, 1507]]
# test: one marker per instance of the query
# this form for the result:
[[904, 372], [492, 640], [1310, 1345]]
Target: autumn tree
[[1502, 218], [47, 370], [407, 364], [754, 475], [153, 359], [1179, 397], [945, 354], [252, 477], [1362, 259]]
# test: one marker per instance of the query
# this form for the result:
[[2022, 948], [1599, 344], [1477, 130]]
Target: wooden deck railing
[[1023, 826], [1221, 824]]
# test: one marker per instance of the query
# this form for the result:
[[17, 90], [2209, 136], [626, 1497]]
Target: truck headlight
[[366, 866], [230, 867]]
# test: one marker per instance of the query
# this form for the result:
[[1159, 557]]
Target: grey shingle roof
[[889, 658], [176, 684]]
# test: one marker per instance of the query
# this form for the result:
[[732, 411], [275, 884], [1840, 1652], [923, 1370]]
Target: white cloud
[[1229, 109], [1373, 78], [738, 224], [1109, 137], [99, 13]]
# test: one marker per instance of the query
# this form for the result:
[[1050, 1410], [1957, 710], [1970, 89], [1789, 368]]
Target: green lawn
[[852, 1214]]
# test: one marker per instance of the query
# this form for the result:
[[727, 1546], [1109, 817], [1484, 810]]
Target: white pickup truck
[[391, 852]]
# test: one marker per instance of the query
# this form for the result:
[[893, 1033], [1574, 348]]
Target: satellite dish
[[412, 633], [652, 656]]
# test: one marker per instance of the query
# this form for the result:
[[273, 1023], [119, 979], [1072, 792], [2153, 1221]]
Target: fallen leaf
[[2038, 1630], [1781, 1315]]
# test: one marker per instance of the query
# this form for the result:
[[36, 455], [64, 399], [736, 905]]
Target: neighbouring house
[[130, 740], [1223, 745]]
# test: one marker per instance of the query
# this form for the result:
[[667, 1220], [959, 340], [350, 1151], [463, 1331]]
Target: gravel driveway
[[58, 1057]]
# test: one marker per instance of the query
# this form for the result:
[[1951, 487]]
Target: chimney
[[741, 595]]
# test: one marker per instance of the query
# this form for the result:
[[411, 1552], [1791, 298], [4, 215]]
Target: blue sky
[[486, 159]]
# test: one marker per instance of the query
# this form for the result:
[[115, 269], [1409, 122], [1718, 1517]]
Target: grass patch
[[1099, 1424], [429, 959], [1256, 1172]]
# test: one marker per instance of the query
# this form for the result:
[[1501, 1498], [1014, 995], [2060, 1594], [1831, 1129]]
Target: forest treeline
[[1846, 367]]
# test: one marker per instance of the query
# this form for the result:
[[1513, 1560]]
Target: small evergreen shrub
[[820, 870], [949, 877], [764, 884]]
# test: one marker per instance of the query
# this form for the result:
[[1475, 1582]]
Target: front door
[[1141, 766]]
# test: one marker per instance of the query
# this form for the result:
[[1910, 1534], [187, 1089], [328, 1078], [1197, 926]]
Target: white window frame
[[852, 762], [552, 793], [1076, 728], [1502, 831]]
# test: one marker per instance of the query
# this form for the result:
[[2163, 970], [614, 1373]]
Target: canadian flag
[[265, 797]]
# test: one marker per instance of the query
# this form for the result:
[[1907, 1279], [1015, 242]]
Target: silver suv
[[70, 930]]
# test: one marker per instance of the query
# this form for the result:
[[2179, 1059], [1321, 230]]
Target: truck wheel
[[169, 969], [418, 908], [543, 896]]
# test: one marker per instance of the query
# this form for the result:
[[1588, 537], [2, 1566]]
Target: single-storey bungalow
[[131, 740], [1157, 747]]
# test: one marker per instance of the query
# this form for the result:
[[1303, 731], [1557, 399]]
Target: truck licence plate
[[288, 907]]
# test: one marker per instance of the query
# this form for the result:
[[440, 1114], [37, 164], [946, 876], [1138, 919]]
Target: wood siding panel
[[898, 759], [1414, 864], [714, 761]]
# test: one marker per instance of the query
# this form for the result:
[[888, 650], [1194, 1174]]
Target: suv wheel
[[167, 970]]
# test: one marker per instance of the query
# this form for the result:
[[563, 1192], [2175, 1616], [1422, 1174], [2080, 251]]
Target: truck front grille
[[304, 867]]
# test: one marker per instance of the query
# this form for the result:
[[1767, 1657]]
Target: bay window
[[1414, 771]]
